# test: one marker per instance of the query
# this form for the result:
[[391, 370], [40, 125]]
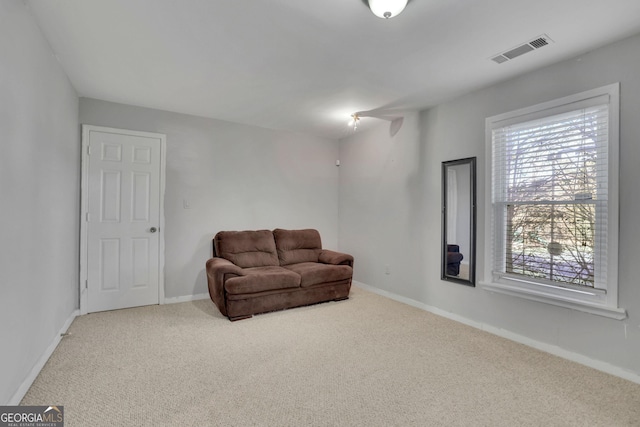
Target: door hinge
[[88, 217], [86, 284], [88, 150]]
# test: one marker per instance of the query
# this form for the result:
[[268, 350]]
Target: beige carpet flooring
[[366, 361]]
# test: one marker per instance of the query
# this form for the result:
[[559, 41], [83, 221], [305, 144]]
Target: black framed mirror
[[459, 221]]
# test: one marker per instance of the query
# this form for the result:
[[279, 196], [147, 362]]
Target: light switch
[[186, 204]]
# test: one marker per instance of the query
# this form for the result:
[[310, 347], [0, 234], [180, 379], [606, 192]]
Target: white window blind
[[550, 197]]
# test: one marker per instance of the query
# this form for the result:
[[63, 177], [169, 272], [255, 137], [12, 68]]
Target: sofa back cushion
[[247, 248], [296, 246]]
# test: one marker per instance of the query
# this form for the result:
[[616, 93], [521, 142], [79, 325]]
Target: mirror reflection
[[459, 220]]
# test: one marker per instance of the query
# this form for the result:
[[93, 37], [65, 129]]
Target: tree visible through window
[[550, 176]]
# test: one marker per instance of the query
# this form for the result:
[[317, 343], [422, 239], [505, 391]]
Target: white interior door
[[123, 218]]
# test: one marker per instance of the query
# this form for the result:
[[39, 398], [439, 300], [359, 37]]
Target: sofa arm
[[217, 269], [223, 266], [336, 258]]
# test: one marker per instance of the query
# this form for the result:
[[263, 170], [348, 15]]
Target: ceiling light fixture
[[388, 115], [355, 118], [387, 8]]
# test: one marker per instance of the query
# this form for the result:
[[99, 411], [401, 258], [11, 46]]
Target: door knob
[[153, 229]]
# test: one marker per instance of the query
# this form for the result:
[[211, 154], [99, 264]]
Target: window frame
[[592, 300]]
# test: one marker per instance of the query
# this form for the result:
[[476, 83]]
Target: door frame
[[84, 208]]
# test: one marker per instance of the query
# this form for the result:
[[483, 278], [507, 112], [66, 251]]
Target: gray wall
[[390, 206], [234, 177], [39, 196], [382, 201]]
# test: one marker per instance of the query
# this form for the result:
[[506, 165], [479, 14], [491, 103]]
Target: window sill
[[547, 298]]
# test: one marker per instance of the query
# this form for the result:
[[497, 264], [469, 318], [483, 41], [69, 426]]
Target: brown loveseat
[[255, 272]]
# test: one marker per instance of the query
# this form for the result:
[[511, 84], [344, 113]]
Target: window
[[552, 212]]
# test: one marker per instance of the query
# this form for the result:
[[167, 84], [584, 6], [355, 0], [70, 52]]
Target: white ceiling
[[307, 65]]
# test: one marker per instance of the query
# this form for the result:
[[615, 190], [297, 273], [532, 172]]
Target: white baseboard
[[26, 384], [521, 339], [186, 298]]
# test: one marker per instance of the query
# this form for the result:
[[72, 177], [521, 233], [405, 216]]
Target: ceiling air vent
[[534, 44]]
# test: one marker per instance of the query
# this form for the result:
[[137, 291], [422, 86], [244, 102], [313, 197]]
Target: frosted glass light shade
[[387, 8]]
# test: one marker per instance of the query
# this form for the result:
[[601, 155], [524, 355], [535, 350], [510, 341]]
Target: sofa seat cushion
[[313, 273], [259, 279]]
